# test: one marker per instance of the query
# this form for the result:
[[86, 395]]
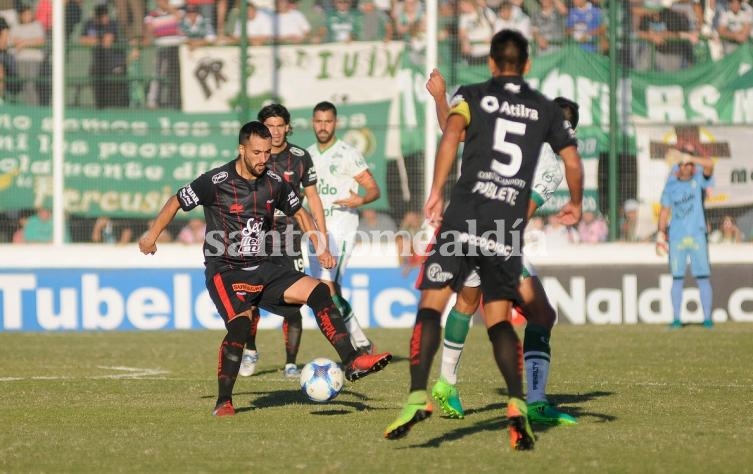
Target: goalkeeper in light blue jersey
[[683, 231]]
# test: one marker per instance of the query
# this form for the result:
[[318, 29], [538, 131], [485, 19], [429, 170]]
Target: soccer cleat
[[224, 409], [446, 395], [521, 435], [365, 364], [417, 409], [291, 371], [248, 363], [675, 325], [545, 413], [708, 324]]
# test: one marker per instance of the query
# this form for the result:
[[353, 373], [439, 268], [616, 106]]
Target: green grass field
[[647, 400]]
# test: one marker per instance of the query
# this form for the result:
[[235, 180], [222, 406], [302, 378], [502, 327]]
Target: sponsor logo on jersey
[[296, 151], [436, 274], [274, 175], [188, 196], [514, 88], [288, 176], [482, 242], [312, 174], [293, 199], [235, 208], [219, 177], [246, 288], [491, 105]]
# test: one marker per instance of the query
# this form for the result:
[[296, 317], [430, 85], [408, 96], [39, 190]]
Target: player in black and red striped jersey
[[283, 246], [239, 199]]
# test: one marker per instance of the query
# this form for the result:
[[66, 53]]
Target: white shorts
[[473, 280], [341, 247]]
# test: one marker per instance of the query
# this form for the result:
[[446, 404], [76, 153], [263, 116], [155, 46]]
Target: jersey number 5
[[501, 128]]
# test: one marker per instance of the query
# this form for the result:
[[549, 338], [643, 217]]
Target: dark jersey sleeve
[[560, 134], [198, 193], [288, 200], [309, 172]]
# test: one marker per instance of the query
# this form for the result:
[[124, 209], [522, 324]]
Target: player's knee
[[319, 296], [238, 329]]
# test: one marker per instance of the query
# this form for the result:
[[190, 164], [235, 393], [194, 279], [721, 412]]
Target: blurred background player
[[534, 305], [340, 170], [283, 247], [238, 199], [683, 234], [504, 123]]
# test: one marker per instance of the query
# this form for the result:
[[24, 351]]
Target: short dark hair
[[509, 49], [325, 106], [275, 110], [570, 109], [250, 129]]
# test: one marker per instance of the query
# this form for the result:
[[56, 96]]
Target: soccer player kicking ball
[[504, 123], [535, 306], [239, 199]]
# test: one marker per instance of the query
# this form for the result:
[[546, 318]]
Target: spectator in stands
[[162, 29], [108, 62], [290, 24], [629, 224], [734, 26], [728, 232], [27, 38], [511, 17], [548, 26], [258, 26], [375, 24], [193, 232], [373, 221], [9, 81], [343, 23], [107, 231], [592, 228], [38, 228], [668, 34], [196, 28], [585, 25], [130, 16], [410, 26], [409, 256], [557, 234], [475, 30], [205, 8]]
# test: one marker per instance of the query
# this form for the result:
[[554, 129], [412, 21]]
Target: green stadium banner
[[126, 164]]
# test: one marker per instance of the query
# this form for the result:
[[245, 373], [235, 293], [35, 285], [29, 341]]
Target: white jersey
[[336, 169]]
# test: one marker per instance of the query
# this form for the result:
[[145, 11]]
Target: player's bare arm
[[317, 209], [446, 155], [437, 87], [306, 223], [148, 242], [366, 180], [572, 210], [661, 235]]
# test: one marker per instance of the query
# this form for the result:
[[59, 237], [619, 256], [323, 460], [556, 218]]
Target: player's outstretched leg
[[416, 409], [229, 363]]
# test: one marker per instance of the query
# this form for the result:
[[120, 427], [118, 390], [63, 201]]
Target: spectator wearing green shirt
[[343, 23]]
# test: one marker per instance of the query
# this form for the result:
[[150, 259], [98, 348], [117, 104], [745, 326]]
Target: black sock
[[507, 352], [231, 351], [292, 328], [424, 343], [331, 322]]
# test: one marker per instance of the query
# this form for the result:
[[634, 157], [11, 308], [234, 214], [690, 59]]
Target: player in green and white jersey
[[535, 306], [340, 170]]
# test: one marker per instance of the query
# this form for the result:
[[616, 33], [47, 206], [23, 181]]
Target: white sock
[[537, 375], [451, 352], [357, 337]]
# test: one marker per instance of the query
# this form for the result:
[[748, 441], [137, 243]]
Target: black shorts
[[236, 291], [286, 252], [500, 275]]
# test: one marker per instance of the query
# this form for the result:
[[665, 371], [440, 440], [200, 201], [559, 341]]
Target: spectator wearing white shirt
[[289, 25], [734, 25], [511, 17], [258, 26]]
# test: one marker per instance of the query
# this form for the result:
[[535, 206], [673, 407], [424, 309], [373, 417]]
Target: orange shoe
[[521, 435], [224, 409], [365, 364]]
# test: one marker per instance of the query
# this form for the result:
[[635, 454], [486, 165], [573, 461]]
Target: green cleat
[[446, 395], [417, 409], [544, 413], [521, 434]]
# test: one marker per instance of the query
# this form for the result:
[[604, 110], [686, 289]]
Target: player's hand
[[662, 248], [436, 84], [147, 245], [355, 200], [327, 260], [570, 213], [434, 208]]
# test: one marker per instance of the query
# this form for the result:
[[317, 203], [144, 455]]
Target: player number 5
[[501, 128]]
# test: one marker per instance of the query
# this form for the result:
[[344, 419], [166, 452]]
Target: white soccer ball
[[321, 379]]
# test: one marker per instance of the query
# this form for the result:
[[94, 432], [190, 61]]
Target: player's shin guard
[[507, 350], [230, 354], [292, 328], [536, 355], [331, 322], [455, 332], [424, 343]]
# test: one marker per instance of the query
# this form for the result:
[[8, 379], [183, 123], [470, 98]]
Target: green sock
[[455, 332]]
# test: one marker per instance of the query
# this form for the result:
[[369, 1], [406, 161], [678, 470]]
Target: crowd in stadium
[[662, 35]]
